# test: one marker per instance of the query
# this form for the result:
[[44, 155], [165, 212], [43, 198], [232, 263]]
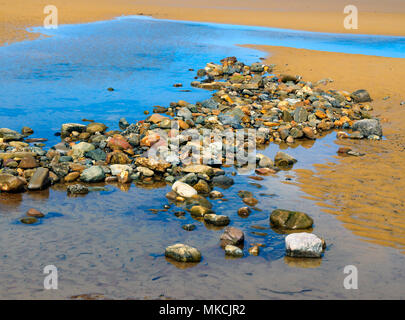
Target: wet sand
[[367, 194], [375, 17]]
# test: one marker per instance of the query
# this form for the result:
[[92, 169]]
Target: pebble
[[233, 251], [232, 236], [183, 253], [35, 213], [291, 220], [29, 220]]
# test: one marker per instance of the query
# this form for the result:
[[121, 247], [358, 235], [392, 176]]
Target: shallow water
[[108, 241]]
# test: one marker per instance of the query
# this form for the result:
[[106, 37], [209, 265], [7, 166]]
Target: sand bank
[[375, 17]]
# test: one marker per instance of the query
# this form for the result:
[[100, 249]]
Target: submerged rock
[[368, 127], [77, 189], [303, 245], [283, 159], [183, 253], [216, 219], [233, 251], [286, 219]]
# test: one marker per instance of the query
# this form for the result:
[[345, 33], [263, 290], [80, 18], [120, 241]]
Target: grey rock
[[304, 245], [361, 96], [183, 253], [77, 189], [368, 127], [93, 174]]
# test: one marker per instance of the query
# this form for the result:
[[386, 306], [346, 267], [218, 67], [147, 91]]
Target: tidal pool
[[109, 242]]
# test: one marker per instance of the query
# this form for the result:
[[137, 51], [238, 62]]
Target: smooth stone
[[184, 189], [96, 127], [40, 179], [183, 253], [244, 212], [233, 251], [199, 211], [146, 172], [199, 168], [284, 159], [68, 128], [250, 201], [10, 135], [81, 148], [202, 187], [35, 213], [28, 162], [189, 227], [232, 236], [361, 96], [72, 176], [29, 220], [93, 174], [216, 194], [116, 169], [216, 219], [291, 220], [222, 181], [303, 245]]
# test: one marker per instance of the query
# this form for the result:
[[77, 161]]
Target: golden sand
[[367, 194], [375, 17]]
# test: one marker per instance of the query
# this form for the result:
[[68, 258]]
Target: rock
[[96, 155], [72, 176], [199, 168], [40, 179], [300, 115], [10, 135], [216, 194], [116, 169], [288, 77], [123, 123], [124, 177], [117, 157], [254, 251], [265, 171], [68, 128], [282, 159], [146, 172], [118, 142], [222, 181], [264, 161], [308, 133], [93, 174], [35, 213], [183, 253], [81, 148], [10, 183], [361, 96], [77, 189], [303, 245], [250, 201], [190, 178], [28, 162], [29, 220], [183, 189], [95, 127], [159, 166], [232, 236], [368, 127], [216, 219], [245, 194], [293, 220], [244, 212], [233, 251], [189, 227], [202, 187], [199, 211], [27, 131]]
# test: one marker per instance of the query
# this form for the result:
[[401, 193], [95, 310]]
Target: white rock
[[145, 171], [81, 148], [233, 251], [305, 245], [183, 189], [116, 169]]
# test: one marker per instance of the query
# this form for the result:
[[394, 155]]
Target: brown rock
[[35, 213], [72, 176], [28, 162], [232, 236], [244, 212]]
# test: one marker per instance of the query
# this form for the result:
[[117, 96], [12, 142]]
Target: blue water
[[64, 78]]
